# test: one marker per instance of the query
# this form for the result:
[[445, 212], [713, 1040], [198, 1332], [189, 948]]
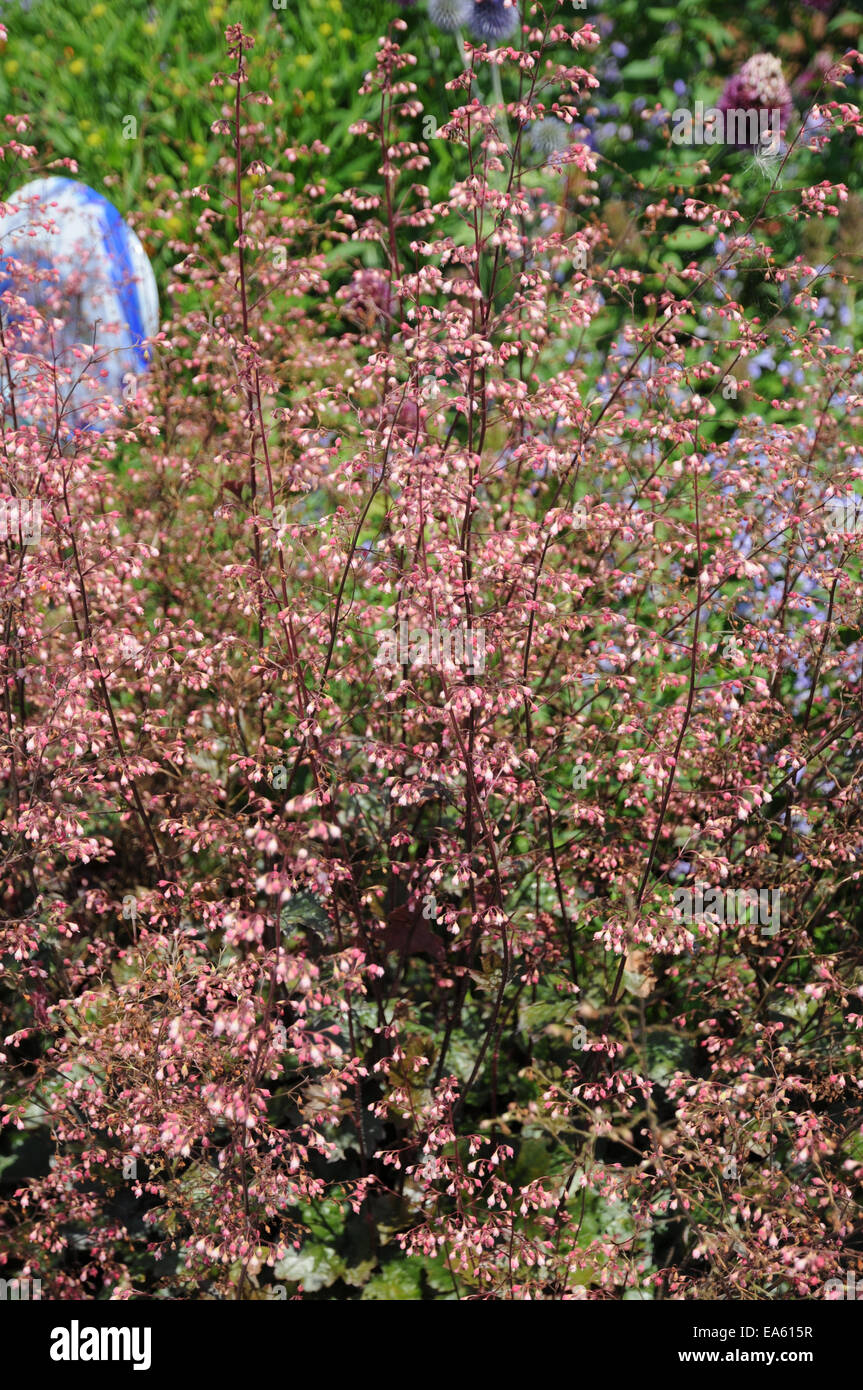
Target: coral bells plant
[[343, 967]]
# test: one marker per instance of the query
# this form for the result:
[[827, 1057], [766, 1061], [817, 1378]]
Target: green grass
[[81, 70]]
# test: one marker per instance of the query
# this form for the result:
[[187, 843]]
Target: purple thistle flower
[[759, 86], [493, 20]]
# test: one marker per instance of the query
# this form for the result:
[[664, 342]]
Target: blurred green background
[[80, 69]]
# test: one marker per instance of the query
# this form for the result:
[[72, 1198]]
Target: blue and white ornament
[[95, 277]]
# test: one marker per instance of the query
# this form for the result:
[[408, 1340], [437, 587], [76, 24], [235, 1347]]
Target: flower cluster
[[759, 85]]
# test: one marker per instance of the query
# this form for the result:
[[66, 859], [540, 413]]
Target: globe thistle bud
[[449, 15], [548, 137], [494, 20]]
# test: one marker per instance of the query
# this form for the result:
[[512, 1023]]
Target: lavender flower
[[493, 20], [449, 15]]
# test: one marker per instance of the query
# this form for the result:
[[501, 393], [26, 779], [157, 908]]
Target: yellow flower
[[325, 30], [77, 66], [150, 27], [336, 5], [199, 158], [11, 66], [304, 60], [94, 138], [346, 33], [97, 11]]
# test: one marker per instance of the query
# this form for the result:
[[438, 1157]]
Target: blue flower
[[493, 20], [763, 362]]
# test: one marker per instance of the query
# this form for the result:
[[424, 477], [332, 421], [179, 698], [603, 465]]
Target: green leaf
[[357, 1275], [642, 68], [712, 27], [533, 1018], [437, 1274], [843, 18], [534, 1162], [303, 910], [689, 239], [398, 1282], [6, 1161], [667, 1053], [315, 1267]]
